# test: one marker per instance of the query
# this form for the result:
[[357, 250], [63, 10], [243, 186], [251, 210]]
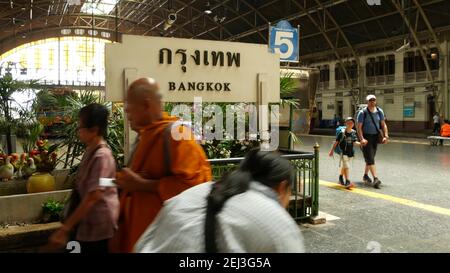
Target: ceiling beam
[[223, 2], [237, 18], [371, 19], [416, 39], [288, 18], [330, 43]]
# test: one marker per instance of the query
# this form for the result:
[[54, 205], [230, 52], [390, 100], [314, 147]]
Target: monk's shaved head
[[143, 102], [144, 88]]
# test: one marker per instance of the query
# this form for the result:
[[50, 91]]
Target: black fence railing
[[304, 203]]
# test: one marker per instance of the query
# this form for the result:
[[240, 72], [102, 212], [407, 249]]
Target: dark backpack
[[341, 131]]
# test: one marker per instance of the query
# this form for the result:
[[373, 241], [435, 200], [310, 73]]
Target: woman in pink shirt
[[96, 216]]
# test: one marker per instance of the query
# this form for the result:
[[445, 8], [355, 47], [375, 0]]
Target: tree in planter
[[8, 106]]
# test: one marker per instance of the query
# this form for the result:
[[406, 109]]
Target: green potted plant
[[52, 210]]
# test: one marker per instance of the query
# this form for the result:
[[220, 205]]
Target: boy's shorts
[[345, 161]]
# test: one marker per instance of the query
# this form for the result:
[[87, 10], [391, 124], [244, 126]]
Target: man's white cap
[[369, 97]]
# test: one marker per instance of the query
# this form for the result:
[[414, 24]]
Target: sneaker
[[348, 184], [376, 183], [367, 179], [341, 180]]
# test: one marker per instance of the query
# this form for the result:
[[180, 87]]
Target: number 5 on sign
[[284, 41]]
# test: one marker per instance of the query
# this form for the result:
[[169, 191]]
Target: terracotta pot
[[40, 182]]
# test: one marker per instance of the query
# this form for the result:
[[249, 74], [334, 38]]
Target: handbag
[[380, 132]]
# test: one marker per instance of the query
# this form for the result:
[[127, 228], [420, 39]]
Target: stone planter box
[[27, 208], [17, 207], [19, 186], [26, 239]]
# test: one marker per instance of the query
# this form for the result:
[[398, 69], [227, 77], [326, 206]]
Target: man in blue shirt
[[371, 123]]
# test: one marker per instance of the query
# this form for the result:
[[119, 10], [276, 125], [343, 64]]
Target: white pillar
[[332, 79], [129, 75], [346, 107], [399, 75]]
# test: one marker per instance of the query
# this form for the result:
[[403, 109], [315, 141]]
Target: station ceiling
[[325, 25]]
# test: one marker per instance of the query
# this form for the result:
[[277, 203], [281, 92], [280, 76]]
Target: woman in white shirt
[[243, 212]]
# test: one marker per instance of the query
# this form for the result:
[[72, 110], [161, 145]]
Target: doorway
[[340, 109]]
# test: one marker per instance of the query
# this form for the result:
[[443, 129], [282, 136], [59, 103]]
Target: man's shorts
[[370, 150], [345, 160]]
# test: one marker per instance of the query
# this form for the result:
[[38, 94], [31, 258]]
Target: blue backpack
[[341, 129]]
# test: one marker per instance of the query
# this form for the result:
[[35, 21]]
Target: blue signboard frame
[[284, 40]]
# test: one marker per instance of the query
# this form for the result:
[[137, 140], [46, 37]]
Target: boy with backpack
[[345, 138]]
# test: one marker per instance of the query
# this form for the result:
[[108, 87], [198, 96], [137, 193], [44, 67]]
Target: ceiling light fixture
[[171, 18], [208, 8]]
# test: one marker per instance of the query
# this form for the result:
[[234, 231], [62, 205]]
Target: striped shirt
[[253, 221]]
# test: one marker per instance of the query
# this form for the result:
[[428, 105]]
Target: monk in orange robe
[[147, 183]]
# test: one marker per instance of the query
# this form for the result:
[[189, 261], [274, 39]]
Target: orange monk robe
[[189, 167]]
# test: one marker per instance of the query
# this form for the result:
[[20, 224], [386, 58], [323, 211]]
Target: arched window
[[62, 61]]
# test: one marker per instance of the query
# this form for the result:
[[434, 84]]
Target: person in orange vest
[[160, 168], [445, 130]]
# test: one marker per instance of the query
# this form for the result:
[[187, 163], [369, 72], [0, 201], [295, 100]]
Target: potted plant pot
[[41, 182]]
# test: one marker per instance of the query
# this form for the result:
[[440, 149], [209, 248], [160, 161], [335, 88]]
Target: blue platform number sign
[[283, 40], [408, 111]]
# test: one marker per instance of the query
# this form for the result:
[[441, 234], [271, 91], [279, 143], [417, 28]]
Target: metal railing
[[390, 79], [381, 80], [421, 76], [304, 201], [410, 77], [324, 85], [371, 80]]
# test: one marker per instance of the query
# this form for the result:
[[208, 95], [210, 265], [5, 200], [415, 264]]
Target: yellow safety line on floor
[[424, 142], [391, 198]]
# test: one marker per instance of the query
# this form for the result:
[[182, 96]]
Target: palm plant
[[71, 142], [116, 134], [32, 133], [72, 105], [287, 90], [9, 107]]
